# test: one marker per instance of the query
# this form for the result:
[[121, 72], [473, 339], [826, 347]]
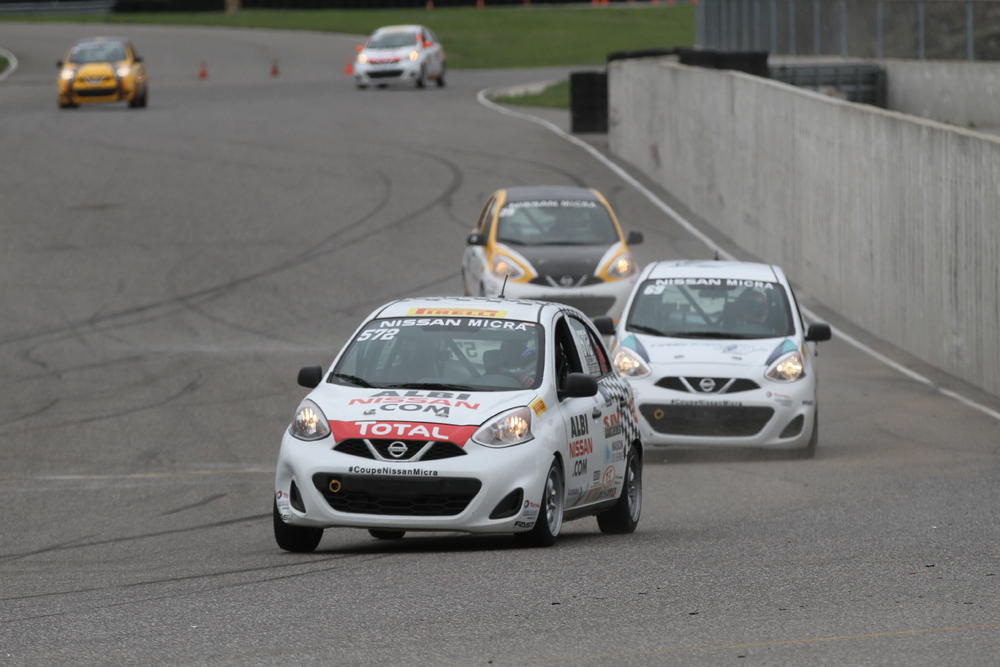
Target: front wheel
[[624, 516], [295, 538], [440, 79], [420, 79], [550, 514], [809, 451]]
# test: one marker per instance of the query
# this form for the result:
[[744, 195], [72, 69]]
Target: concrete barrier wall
[[891, 220]]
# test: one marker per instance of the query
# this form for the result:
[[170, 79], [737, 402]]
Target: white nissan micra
[[461, 414], [400, 54], [718, 354]]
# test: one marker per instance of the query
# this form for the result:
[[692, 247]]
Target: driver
[[516, 358], [751, 307]]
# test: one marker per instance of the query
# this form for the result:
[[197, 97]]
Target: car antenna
[[716, 256], [503, 288]]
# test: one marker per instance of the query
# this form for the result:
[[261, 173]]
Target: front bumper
[[606, 298], [111, 90], [403, 71], [778, 416], [498, 471]]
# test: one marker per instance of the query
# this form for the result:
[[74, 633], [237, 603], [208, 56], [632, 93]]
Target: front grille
[[437, 450], [706, 420], [354, 447], [382, 495], [385, 73], [721, 385], [442, 450], [95, 92], [566, 280], [592, 306]]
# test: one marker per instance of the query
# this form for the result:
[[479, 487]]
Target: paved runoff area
[[165, 272]]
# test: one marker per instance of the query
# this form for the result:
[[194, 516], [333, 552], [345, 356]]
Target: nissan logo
[[706, 384], [566, 281], [397, 448]]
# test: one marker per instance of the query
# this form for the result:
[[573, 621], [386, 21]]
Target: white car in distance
[[718, 355], [400, 54]]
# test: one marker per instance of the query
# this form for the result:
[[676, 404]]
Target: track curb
[[11, 63]]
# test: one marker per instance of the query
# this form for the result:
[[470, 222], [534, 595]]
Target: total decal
[[529, 511], [284, 504], [459, 435]]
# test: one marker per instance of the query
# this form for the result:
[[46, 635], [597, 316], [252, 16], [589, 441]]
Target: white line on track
[[483, 98], [11, 63]]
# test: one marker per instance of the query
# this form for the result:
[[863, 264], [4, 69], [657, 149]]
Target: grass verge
[[3, 64], [473, 38], [554, 96]]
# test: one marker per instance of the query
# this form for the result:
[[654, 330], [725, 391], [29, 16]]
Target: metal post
[[921, 30], [843, 27], [879, 29], [817, 35], [970, 31], [774, 26], [745, 21], [756, 41], [791, 28]]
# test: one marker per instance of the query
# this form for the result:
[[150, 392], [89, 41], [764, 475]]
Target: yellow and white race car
[[102, 69], [554, 243]]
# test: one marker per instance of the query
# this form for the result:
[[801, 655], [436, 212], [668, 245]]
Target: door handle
[[596, 413]]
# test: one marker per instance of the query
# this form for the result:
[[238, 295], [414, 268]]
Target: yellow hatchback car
[[102, 69]]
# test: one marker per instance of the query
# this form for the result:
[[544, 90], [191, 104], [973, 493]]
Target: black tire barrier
[[217, 5], [588, 101], [642, 53], [751, 62]]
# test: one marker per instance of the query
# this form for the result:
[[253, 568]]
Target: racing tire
[[550, 514], [809, 451], [386, 534], [420, 81], [361, 86], [298, 539], [382, 85], [624, 516], [440, 78], [67, 105]]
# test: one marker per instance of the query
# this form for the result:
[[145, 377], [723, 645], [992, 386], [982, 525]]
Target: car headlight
[[512, 427], [68, 74], [309, 423], [414, 55], [123, 71], [622, 266], [362, 58], [787, 369], [629, 363], [505, 266]]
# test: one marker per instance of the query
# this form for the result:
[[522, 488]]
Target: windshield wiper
[[439, 385], [642, 328], [353, 379], [707, 334]]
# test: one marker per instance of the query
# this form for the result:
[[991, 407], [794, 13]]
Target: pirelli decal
[[456, 312]]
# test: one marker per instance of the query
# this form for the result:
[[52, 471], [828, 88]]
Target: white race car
[[555, 243], [400, 53], [718, 354], [460, 414]]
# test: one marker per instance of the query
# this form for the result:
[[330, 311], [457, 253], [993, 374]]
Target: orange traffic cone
[[203, 71], [274, 69], [349, 68], [430, 4], [480, 4]]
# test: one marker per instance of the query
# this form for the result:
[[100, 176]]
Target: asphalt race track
[[165, 273]]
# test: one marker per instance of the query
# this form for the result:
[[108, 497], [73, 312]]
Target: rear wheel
[[421, 79], [440, 79], [624, 516], [386, 534], [550, 515], [295, 538]]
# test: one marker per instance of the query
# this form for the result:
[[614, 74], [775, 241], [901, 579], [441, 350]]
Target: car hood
[[563, 260], [662, 352], [419, 414], [95, 70]]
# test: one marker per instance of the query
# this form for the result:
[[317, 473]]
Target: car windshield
[[458, 349], [97, 52], [392, 40], [711, 308], [556, 222]]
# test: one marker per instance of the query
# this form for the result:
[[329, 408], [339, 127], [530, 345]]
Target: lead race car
[[718, 354], [461, 414]]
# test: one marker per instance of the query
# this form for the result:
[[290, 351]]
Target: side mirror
[[605, 325], [475, 238], [818, 332], [579, 385], [310, 376], [428, 43], [634, 238], [59, 64], [359, 48]]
